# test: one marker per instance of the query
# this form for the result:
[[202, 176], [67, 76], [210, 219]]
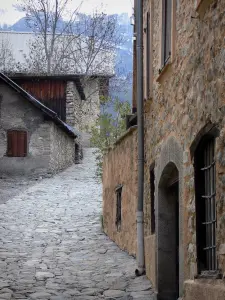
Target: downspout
[[140, 118]]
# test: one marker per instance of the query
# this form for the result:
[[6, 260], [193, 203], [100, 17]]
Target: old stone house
[[75, 98], [72, 88], [33, 139], [184, 126]]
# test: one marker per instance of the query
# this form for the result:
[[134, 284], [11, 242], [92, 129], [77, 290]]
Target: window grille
[[206, 205]]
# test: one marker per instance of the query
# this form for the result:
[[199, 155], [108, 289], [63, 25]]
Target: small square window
[[118, 207], [16, 143]]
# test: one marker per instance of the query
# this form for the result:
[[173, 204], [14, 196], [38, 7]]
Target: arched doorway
[[168, 234]]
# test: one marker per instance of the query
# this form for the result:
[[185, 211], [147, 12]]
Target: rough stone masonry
[[52, 245]]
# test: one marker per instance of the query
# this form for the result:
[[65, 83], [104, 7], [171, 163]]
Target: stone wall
[[81, 114], [188, 94], [62, 149], [18, 114], [90, 108], [120, 168], [73, 106]]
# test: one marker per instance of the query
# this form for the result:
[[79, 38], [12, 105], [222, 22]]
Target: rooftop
[[50, 114]]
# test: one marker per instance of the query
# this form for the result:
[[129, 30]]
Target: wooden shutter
[[16, 143], [148, 55], [166, 30], [10, 143]]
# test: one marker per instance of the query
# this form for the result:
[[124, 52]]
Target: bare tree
[[84, 44], [94, 50], [45, 18], [7, 61], [88, 49]]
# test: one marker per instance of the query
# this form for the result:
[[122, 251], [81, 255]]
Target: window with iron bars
[[205, 184], [119, 206]]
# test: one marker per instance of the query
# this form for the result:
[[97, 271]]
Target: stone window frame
[[209, 131], [148, 53], [12, 138], [205, 184], [162, 65], [118, 192]]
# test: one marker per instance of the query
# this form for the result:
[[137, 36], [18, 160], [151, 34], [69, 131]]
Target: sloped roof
[[77, 78], [45, 110]]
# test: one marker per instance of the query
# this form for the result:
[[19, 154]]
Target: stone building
[[120, 188], [75, 98], [74, 86], [33, 139], [184, 123]]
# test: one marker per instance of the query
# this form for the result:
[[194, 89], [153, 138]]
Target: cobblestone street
[[52, 246]]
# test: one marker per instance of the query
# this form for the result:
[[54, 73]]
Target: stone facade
[[73, 105], [81, 114], [62, 153], [50, 149], [90, 108], [120, 168], [187, 96]]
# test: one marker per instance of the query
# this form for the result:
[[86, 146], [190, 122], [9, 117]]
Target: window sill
[[163, 71], [202, 6], [209, 275]]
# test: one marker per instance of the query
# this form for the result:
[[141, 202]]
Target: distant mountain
[[124, 61]]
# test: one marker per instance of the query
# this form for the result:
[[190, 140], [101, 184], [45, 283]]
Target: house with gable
[[34, 140], [73, 93]]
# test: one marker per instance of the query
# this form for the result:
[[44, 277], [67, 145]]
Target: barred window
[[205, 183], [16, 143]]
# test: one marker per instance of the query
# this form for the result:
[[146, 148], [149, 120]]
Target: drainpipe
[[140, 118]]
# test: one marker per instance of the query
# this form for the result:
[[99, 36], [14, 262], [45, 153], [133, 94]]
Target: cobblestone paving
[[52, 247]]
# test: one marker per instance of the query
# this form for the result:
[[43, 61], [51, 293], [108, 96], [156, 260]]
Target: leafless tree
[[94, 50], [69, 42], [7, 61], [45, 18]]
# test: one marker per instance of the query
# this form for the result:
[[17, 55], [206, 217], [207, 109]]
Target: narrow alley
[[52, 245]]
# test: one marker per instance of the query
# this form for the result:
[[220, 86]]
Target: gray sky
[[9, 15]]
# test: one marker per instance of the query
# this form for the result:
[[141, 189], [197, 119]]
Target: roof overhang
[[48, 113]]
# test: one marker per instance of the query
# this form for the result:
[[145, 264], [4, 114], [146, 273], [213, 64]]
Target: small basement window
[[16, 143], [119, 206]]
